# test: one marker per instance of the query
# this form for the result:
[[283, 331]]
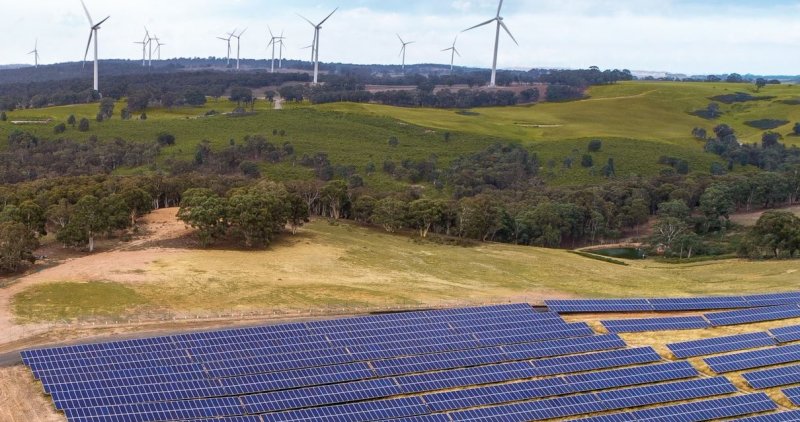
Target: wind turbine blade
[[270, 32], [102, 21], [243, 31], [306, 19], [499, 8], [508, 32], [455, 41], [447, 49], [223, 39], [480, 25], [88, 44], [87, 13], [456, 51], [401, 39], [329, 16]]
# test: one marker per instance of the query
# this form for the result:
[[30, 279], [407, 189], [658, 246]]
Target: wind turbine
[[280, 51], [274, 41], [500, 23], [35, 53], [229, 45], [93, 31], [238, 45], [158, 47], [315, 44], [144, 42], [453, 51], [403, 50]]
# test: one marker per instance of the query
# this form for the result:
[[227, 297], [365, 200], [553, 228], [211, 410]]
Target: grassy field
[[346, 266], [638, 122]]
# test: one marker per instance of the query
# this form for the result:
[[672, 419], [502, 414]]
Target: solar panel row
[[754, 359], [655, 324], [786, 334], [776, 377], [789, 416], [717, 345], [672, 304], [747, 316], [705, 410]]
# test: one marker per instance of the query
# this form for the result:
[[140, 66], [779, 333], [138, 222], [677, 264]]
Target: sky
[[680, 36]]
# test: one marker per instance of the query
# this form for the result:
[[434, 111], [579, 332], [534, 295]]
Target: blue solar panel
[[655, 324], [705, 410], [790, 416], [776, 377], [747, 316], [610, 305], [793, 394], [665, 393], [594, 361], [698, 303], [774, 299], [754, 359], [786, 334], [717, 345]]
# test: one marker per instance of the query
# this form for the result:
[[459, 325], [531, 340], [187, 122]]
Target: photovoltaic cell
[[747, 316], [717, 345], [786, 334], [655, 324], [754, 359], [790, 416], [776, 377]]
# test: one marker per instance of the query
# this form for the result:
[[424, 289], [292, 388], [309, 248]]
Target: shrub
[[595, 145], [60, 128], [71, 120], [3, 116], [587, 161], [166, 139], [83, 126], [394, 142], [143, 116]]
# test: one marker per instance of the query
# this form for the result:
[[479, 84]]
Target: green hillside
[[638, 122]]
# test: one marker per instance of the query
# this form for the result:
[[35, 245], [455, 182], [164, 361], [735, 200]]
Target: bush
[[71, 120], [767, 124], [60, 128], [394, 142], [595, 145], [100, 117], [143, 116], [3, 116], [166, 139], [195, 98], [83, 126], [587, 161]]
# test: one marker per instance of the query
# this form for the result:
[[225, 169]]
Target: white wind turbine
[[280, 51], [228, 40], [403, 50], [35, 53], [158, 47], [238, 45], [144, 42], [315, 44], [500, 23], [93, 31], [274, 42], [453, 51]]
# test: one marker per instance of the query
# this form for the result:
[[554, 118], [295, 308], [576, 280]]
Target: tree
[[60, 128], [335, 198], [667, 230], [195, 98], [83, 126], [298, 212], [250, 169], [3, 116], [609, 169], [674, 209], [716, 204], [777, 232], [587, 161], [71, 120], [137, 203], [205, 211], [258, 214], [796, 129], [479, 217], [394, 142], [734, 78], [241, 95], [595, 145], [138, 101], [165, 139], [424, 214], [17, 244], [107, 107], [760, 83], [86, 222], [391, 214]]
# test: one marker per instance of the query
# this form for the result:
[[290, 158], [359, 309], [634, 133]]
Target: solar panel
[[698, 303], [610, 305], [793, 394], [790, 416], [665, 393], [717, 345], [655, 324], [747, 316], [704, 410], [754, 359], [776, 377], [595, 361], [786, 334], [773, 299]]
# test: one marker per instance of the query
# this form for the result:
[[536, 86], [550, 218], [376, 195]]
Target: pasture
[[638, 122]]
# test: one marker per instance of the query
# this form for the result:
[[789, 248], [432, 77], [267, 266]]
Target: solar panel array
[[656, 324], [672, 304], [505, 362]]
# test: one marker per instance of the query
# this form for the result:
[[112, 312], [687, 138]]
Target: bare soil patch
[[22, 399]]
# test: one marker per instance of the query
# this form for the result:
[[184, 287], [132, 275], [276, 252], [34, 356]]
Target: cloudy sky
[[689, 36]]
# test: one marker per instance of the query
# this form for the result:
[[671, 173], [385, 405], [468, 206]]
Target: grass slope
[[351, 267], [638, 122]]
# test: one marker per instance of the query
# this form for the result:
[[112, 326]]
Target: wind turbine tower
[[315, 44], [280, 51], [228, 40], [403, 50], [274, 42], [35, 53], [158, 47], [93, 32], [500, 23], [238, 45], [453, 51]]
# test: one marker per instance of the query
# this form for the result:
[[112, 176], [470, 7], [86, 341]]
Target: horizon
[[552, 34]]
